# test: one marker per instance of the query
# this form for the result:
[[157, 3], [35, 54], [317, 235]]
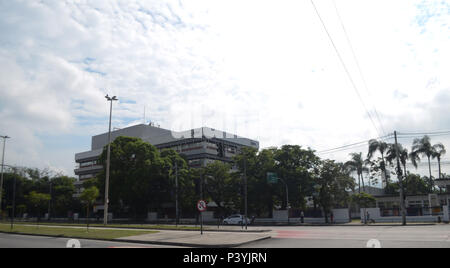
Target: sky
[[266, 70]]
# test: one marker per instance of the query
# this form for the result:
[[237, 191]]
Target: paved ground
[[195, 239], [26, 241], [433, 236]]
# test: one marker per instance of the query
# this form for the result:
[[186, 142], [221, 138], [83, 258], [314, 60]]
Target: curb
[[163, 243], [157, 229]]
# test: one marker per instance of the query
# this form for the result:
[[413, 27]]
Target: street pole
[[105, 215], [1, 180], [400, 181], [287, 198], [245, 191], [13, 204], [176, 194], [50, 201]]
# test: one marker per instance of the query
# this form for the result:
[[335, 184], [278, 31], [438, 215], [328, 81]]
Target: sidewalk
[[213, 239], [225, 237]]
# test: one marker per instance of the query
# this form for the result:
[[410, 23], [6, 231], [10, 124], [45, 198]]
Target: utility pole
[[1, 180], [108, 156], [400, 181]]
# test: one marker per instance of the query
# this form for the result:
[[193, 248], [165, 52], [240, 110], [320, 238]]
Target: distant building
[[201, 146], [416, 205]]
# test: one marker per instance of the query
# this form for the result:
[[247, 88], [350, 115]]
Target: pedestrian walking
[[302, 217]]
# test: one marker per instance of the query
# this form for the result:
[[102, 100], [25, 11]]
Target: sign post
[[201, 206]]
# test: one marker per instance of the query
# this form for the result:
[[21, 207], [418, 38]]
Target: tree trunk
[[405, 181], [87, 218], [362, 179], [384, 171], [359, 183], [439, 164], [431, 180]]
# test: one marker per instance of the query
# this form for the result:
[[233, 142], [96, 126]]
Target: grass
[[71, 232], [133, 226]]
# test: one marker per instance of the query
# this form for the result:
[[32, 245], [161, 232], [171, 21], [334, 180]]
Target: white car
[[236, 219]]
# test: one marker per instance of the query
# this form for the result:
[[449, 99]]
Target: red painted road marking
[[290, 234], [129, 247]]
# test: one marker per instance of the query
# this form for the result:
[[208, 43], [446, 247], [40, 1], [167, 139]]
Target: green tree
[[438, 152], [423, 147], [139, 180], [256, 165], [222, 187], [416, 185], [357, 164], [364, 200], [382, 147], [333, 185], [38, 201], [89, 196], [295, 166], [391, 156], [62, 198]]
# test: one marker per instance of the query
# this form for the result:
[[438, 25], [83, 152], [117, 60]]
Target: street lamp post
[[105, 216], [246, 193], [287, 197], [13, 203], [176, 194], [1, 179], [50, 200]]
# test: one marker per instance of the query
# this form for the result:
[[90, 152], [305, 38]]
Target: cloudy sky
[[262, 69]]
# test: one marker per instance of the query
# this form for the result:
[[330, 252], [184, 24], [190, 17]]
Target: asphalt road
[[27, 241], [426, 236]]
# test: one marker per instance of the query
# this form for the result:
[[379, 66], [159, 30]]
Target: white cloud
[[263, 69]]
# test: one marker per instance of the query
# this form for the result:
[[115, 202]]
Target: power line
[[358, 66], [345, 67], [431, 133], [350, 146]]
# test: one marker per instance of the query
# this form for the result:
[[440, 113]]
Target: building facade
[[201, 146]]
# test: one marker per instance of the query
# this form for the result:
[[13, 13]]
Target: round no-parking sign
[[201, 206]]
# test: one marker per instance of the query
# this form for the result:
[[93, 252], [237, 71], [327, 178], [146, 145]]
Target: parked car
[[236, 219]]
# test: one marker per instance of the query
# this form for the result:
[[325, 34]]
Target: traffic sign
[[201, 206], [272, 177]]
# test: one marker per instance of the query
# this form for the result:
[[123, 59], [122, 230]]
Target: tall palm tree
[[357, 164], [438, 151], [382, 147], [391, 155], [423, 147]]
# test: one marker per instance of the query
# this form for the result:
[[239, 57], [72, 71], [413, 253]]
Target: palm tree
[[438, 151], [423, 147], [358, 165], [380, 146], [391, 155]]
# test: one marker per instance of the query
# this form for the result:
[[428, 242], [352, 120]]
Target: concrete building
[[417, 204], [201, 146]]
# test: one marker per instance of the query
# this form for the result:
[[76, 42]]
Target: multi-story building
[[201, 146]]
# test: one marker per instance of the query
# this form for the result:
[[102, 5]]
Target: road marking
[[290, 234], [73, 243], [373, 243]]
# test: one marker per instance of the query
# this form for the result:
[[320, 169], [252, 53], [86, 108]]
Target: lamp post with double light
[[1, 179], [108, 155]]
